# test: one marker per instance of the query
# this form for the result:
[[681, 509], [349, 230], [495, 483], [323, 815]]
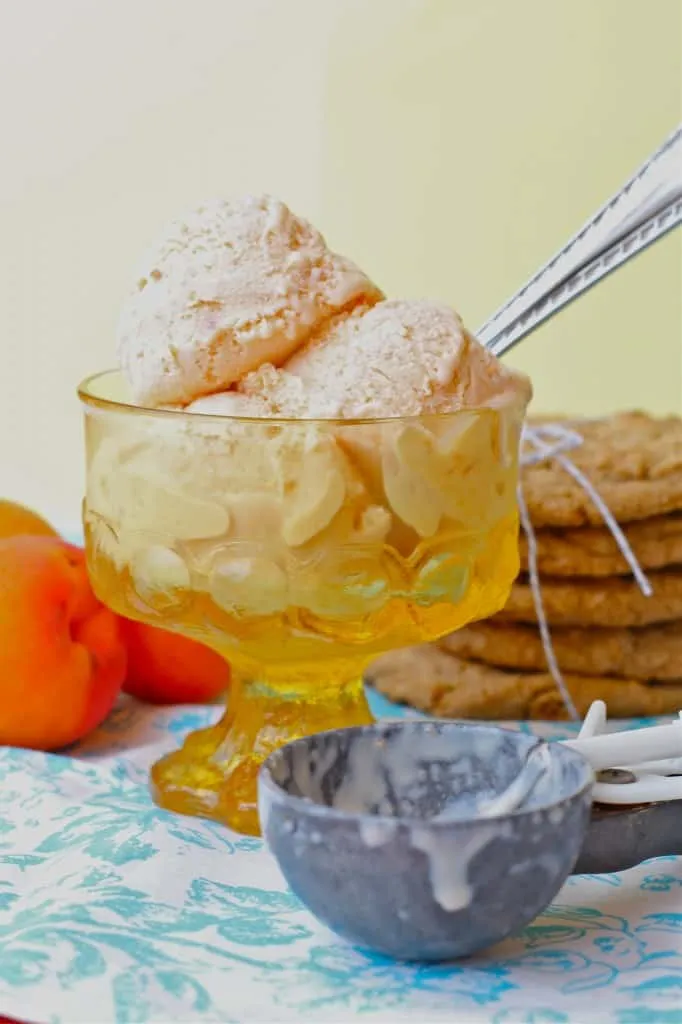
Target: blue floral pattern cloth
[[112, 910]]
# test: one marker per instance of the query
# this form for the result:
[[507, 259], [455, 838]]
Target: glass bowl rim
[[91, 399]]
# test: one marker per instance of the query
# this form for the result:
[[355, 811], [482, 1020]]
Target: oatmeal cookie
[[444, 685], [633, 459], [651, 653], [592, 551], [612, 601]]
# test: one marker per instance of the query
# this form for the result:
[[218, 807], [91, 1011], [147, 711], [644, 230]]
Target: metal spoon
[[646, 208]]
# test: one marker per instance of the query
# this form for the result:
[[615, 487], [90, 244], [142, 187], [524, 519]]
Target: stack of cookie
[[611, 641]]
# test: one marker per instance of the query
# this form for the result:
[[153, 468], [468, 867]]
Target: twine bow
[[553, 441]]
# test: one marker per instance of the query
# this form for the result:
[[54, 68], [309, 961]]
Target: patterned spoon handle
[[645, 209]]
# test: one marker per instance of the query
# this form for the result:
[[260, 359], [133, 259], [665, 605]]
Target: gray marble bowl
[[376, 831]]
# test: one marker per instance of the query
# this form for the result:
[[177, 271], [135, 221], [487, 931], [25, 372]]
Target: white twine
[[553, 441]]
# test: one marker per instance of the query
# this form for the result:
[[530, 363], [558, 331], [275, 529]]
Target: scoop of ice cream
[[231, 286], [404, 359], [241, 312], [398, 358]]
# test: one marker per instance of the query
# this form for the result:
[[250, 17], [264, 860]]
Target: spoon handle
[[622, 837], [645, 209]]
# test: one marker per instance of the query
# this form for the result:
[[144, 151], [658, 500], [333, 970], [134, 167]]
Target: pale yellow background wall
[[448, 145]]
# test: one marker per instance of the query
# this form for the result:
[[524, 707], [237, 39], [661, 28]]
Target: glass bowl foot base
[[215, 773]]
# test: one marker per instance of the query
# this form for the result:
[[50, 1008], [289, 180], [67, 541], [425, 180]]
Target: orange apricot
[[17, 519], [62, 659], [166, 668]]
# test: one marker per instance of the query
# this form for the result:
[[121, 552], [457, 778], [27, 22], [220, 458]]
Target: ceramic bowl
[[379, 832]]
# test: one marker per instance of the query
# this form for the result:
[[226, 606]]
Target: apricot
[[166, 668], [16, 519], [62, 659]]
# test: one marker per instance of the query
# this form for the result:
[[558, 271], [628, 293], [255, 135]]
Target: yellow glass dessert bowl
[[298, 549]]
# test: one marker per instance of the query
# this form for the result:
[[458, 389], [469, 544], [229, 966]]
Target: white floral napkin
[[112, 910]]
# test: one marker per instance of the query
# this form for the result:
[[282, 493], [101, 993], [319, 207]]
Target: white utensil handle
[[611, 750]]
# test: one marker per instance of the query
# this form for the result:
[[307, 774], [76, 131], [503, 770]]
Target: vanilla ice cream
[[231, 286], [401, 359], [398, 358], [241, 312]]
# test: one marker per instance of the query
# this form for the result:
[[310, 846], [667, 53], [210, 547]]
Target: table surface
[[112, 910]]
